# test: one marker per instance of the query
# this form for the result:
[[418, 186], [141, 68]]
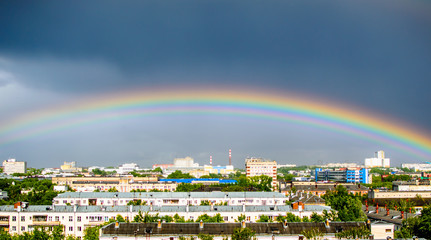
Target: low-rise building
[[170, 198], [21, 218], [320, 189]]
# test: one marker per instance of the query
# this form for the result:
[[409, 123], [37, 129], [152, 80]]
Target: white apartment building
[[12, 166], [170, 198], [425, 167], [378, 160], [259, 166], [18, 219]]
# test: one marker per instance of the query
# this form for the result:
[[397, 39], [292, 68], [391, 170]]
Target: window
[[13, 228], [13, 218], [79, 218], [70, 228], [79, 229], [22, 218], [22, 228], [57, 218], [50, 219], [388, 230], [64, 201], [70, 218]]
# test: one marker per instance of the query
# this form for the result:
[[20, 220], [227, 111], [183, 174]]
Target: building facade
[[170, 198], [378, 160], [12, 166], [259, 166], [20, 218], [343, 175]]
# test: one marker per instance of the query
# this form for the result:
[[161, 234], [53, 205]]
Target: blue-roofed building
[[200, 180]]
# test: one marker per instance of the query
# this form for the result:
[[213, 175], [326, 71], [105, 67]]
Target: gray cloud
[[374, 56]]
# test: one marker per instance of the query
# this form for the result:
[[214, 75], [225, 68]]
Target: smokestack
[[230, 157], [211, 160]]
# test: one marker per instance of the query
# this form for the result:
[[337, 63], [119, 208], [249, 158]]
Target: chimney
[[377, 208], [159, 224], [243, 207], [187, 208], [327, 223], [387, 211], [243, 224], [201, 224], [151, 206], [130, 208]]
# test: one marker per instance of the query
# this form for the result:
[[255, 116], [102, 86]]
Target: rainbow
[[233, 102]]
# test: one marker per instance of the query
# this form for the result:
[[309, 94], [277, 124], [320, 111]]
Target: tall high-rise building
[[259, 166], [378, 160]]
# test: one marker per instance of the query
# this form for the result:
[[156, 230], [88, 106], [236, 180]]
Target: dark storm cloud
[[376, 55]]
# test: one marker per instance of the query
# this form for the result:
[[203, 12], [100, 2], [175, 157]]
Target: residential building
[[342, 175], [12, 166], [259, 166], [378, 160], [170, 198], [304, 189], [20, 218], [426, 167]]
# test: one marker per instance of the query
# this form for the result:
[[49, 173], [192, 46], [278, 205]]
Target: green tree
[[313, 233], [179, 175], [178, 218], [188, 187], [349, 206], [264, 218], [203, 236], [243, 234], [114, 189], [261, 182], [316, 217], [91, 233], [354, 233], [424, 226], [240, 218]]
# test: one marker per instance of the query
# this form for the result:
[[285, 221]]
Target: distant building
[[378, 160], [127, 167], [259, 166], [186, 162], [342, 165], [12, 166], [286, 165], [342, 175], [70, 167], [417, 166]]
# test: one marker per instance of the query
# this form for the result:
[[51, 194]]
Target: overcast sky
[[373, 55]]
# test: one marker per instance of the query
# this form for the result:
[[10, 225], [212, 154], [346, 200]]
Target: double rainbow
[[246, 103]]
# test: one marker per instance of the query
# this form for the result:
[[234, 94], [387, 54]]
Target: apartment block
[[259, 166]]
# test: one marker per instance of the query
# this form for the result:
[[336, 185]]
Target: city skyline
[[60, 60]]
